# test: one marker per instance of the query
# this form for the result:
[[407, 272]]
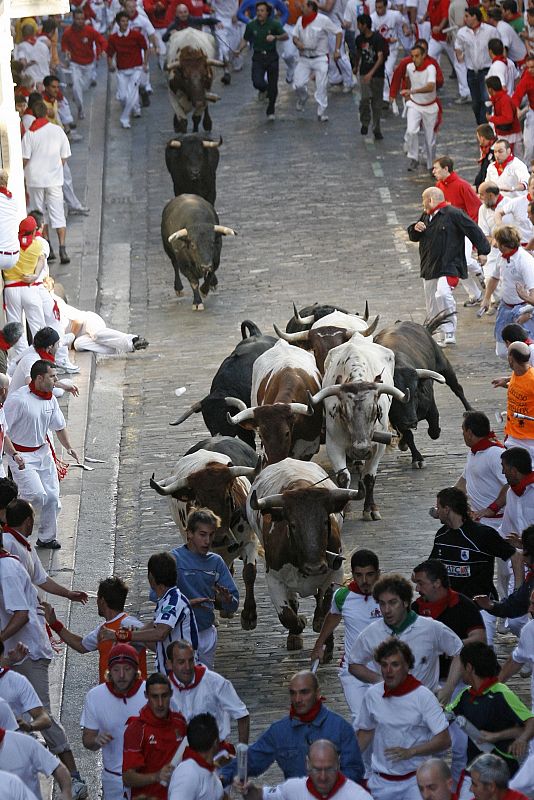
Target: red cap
[[123, 653], [28, 225]]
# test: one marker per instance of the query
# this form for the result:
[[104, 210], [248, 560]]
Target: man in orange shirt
[[520, 400]]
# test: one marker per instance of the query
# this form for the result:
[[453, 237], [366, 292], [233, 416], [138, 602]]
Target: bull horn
[[181, 234], [180, 483], [213, 62], [366, 312], [402, 397], [303, 320], [211, 97], [195, 408], [344, 494], [172, 65], [175, 143], [301, 408], [300, 336], [372, 327], [322, 394], [266, 503], [242, 416], [242, 472], [236, 403], [429, 373], [210, 143], [222, 229]]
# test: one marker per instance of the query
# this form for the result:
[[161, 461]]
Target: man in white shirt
[[403, 722], [197, 690], [34, 52], [515, 47], [388, 23], [19, 694], [488, 214], [501, 66], [9, 225], [139, 21], [13, 788], [471, 47], [106, 710], [340, 69], [195, 776], [310, 37], [421, 107], [514, 211], [45, 345], [509, 173], [26, 758], [31, 412], [7, 718]]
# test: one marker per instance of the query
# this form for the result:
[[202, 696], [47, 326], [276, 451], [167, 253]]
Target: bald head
[[323, 748], [182, 12], [4, 381], [304, 692], [434, 780], [431, 198], [307, 676], [488, 193]]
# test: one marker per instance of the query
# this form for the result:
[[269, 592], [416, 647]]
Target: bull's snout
[[319, 568], [361, 452]]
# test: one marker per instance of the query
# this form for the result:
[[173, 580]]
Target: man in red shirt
[[437, 14], [459, 192], [151, 740], [524, 87], [130, 49], [82, 46]]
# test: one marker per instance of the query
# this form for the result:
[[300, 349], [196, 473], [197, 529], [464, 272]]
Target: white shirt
[[427, 639], [104, 712], [18, 594], [389, 25], [9, 224], [474, 45], [513, 174], [28, 558], [45, 149], [511, 40], [404, 721], [314, 36], [29, 417], [13, 788], [90, 640], [140, 23], [507, 73], [518, 511], [25, 757], [16, 690], [515, 209], [22, 370], [357, 611], [418, 79], [7, 717], [39, 52], [191, 780], [173, 609], [420, 5], [520, 269], [483, 477], [214, 695], [296, 789], [524, 651]]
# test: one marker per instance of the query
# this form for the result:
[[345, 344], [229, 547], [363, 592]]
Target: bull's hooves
[[295, 642], [402, 446], [248, 624], [198, 306], [418, 464], [226, 614], [178, 293], [376, 515], [366, 515], [318, 624]]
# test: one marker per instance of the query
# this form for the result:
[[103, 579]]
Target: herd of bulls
[[327, 378]]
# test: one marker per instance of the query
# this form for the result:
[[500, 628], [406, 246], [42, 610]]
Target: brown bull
[[189, 87]]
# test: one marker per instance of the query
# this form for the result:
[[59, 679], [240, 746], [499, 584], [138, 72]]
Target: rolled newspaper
[[242, 762]]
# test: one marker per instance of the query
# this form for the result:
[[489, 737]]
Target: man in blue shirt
[[205, 580]]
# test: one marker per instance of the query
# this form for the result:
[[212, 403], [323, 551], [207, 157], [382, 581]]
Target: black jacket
[[517, 603], [441, 245]]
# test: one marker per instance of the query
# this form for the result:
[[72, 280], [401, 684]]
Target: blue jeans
[[479, 94]]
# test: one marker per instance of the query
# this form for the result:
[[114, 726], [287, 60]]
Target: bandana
[[38, 123], [310, 715], [500, 167], [45, 355], [3, 671], [353, 586], [410, 619], [519, 488], [31, 39], [4, 345], [307, 19], [510, 254], [436, 608], [500, 58], [5, 191], [19, 537], [200, 669], [484, 686], [37, 393], [408, 685], [134, 688], [340, 781], [486, 442], [529, 197], [2, 734], [443, 204], [189, 753]]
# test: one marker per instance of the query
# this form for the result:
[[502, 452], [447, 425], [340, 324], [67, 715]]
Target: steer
[[192, 161], [357, 391], [215, 474], [192, 239], [190, 57], [282, 378], [234, 377], [418, 362], [295, 510]]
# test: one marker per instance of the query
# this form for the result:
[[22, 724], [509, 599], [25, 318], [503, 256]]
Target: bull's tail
[[433, 323], [251, 327], [195, 408]]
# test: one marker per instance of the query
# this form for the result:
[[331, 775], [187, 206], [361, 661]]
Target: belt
[[318, 55], [432, 102], [7, 253], [118, 774], [21, 283], [21, 448], [265, 52], [512, 305], [388, 777]]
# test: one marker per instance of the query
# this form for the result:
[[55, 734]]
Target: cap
[[27, 225], [123, 653]]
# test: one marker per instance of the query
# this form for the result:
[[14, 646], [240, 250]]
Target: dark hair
[[477, 422], [530, 11], [202, 732], [509, 5], [435, 570], [445, 162], [519, 458], [395, 584], [39, 109], [418, 47], [45, 337], [37, 215], [120, 15], [505, 142], [496, 47], [8, 491], [385, 3], [17, 512], [527, 539], [34, 97], [495, 13], [494, 83], [474, 11], [492, 188], [114, 592], [486, 131], [162, 567], [365, 19], [39, 368], [157, 679], [421, 43], [482, 658], [76, 11], [364, 558], [454, 499], [391, 646], [48, 26], [50, 79], [202, 516], [12, 332], [514, 332]]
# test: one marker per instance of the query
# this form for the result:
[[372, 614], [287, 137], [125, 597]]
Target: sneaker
[[525, 671], [300, 105], [52, 256], [271, 117], [79, 789], [364, 130], [63, 255], [348, 89], [226, 79], [75, 137], [322, 117], [139, 343], [473, 301], [125, 125], [53, 544], [378, 135], [448, 339], [82, 210], [413, 165], [136, 114], [145, 97], [462, 101], [68, 366]]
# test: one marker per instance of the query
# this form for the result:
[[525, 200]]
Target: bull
[[296, 512], [418, 362], [234, 376], [190, 58], [303, 320], [192, 239], [282, 378], [192, 161], [216, 474], [357, 391]]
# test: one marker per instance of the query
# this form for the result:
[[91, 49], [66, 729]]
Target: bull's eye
[[240, 528]]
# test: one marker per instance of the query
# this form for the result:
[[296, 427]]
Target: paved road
[[321, 214]]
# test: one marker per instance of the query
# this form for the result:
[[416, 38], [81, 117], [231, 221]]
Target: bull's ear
[[185, 495], [276, 514], [248, 425]]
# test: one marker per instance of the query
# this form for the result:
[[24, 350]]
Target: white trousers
[[420, 117], [469, 284], [25, 299], [207, 645], [82, 75], [69, 195], [528, 444], [128, 91], [523, 780], [162, 47], [49, 201], [228, 39], [439, 297], [289, 53], [340, 71], [528, 137], [52, 322], [306, 67], [6, 262], [96, 337], [435, 50], [112, 786], [389, 68], [382, 789], [354, 691], [39, 485], [65, 114]]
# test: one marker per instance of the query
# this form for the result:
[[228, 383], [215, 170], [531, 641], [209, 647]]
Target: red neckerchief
[[134, 688], [37, 393], [200, 669], [191, 754], [2, 734], [45, 355], [31, 39], [498, 200], [529, 341], [353, 586], [435, 609], [25, 240], [48, 98], [500, 58], [529, 197], [308, 18], [4, 345], [520, 487], [509, 255], [19, 537], [38, 123], [486, 442], [485, 684], [173, 718], [500, 166], [4, 190], [408, 685], [310, 715], [443, 204], [424, 64], [340, 781], [485, 150]]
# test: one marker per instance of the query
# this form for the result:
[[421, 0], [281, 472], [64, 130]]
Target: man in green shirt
[[263, 32]]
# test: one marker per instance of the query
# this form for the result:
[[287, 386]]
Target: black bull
[[192, 161]]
